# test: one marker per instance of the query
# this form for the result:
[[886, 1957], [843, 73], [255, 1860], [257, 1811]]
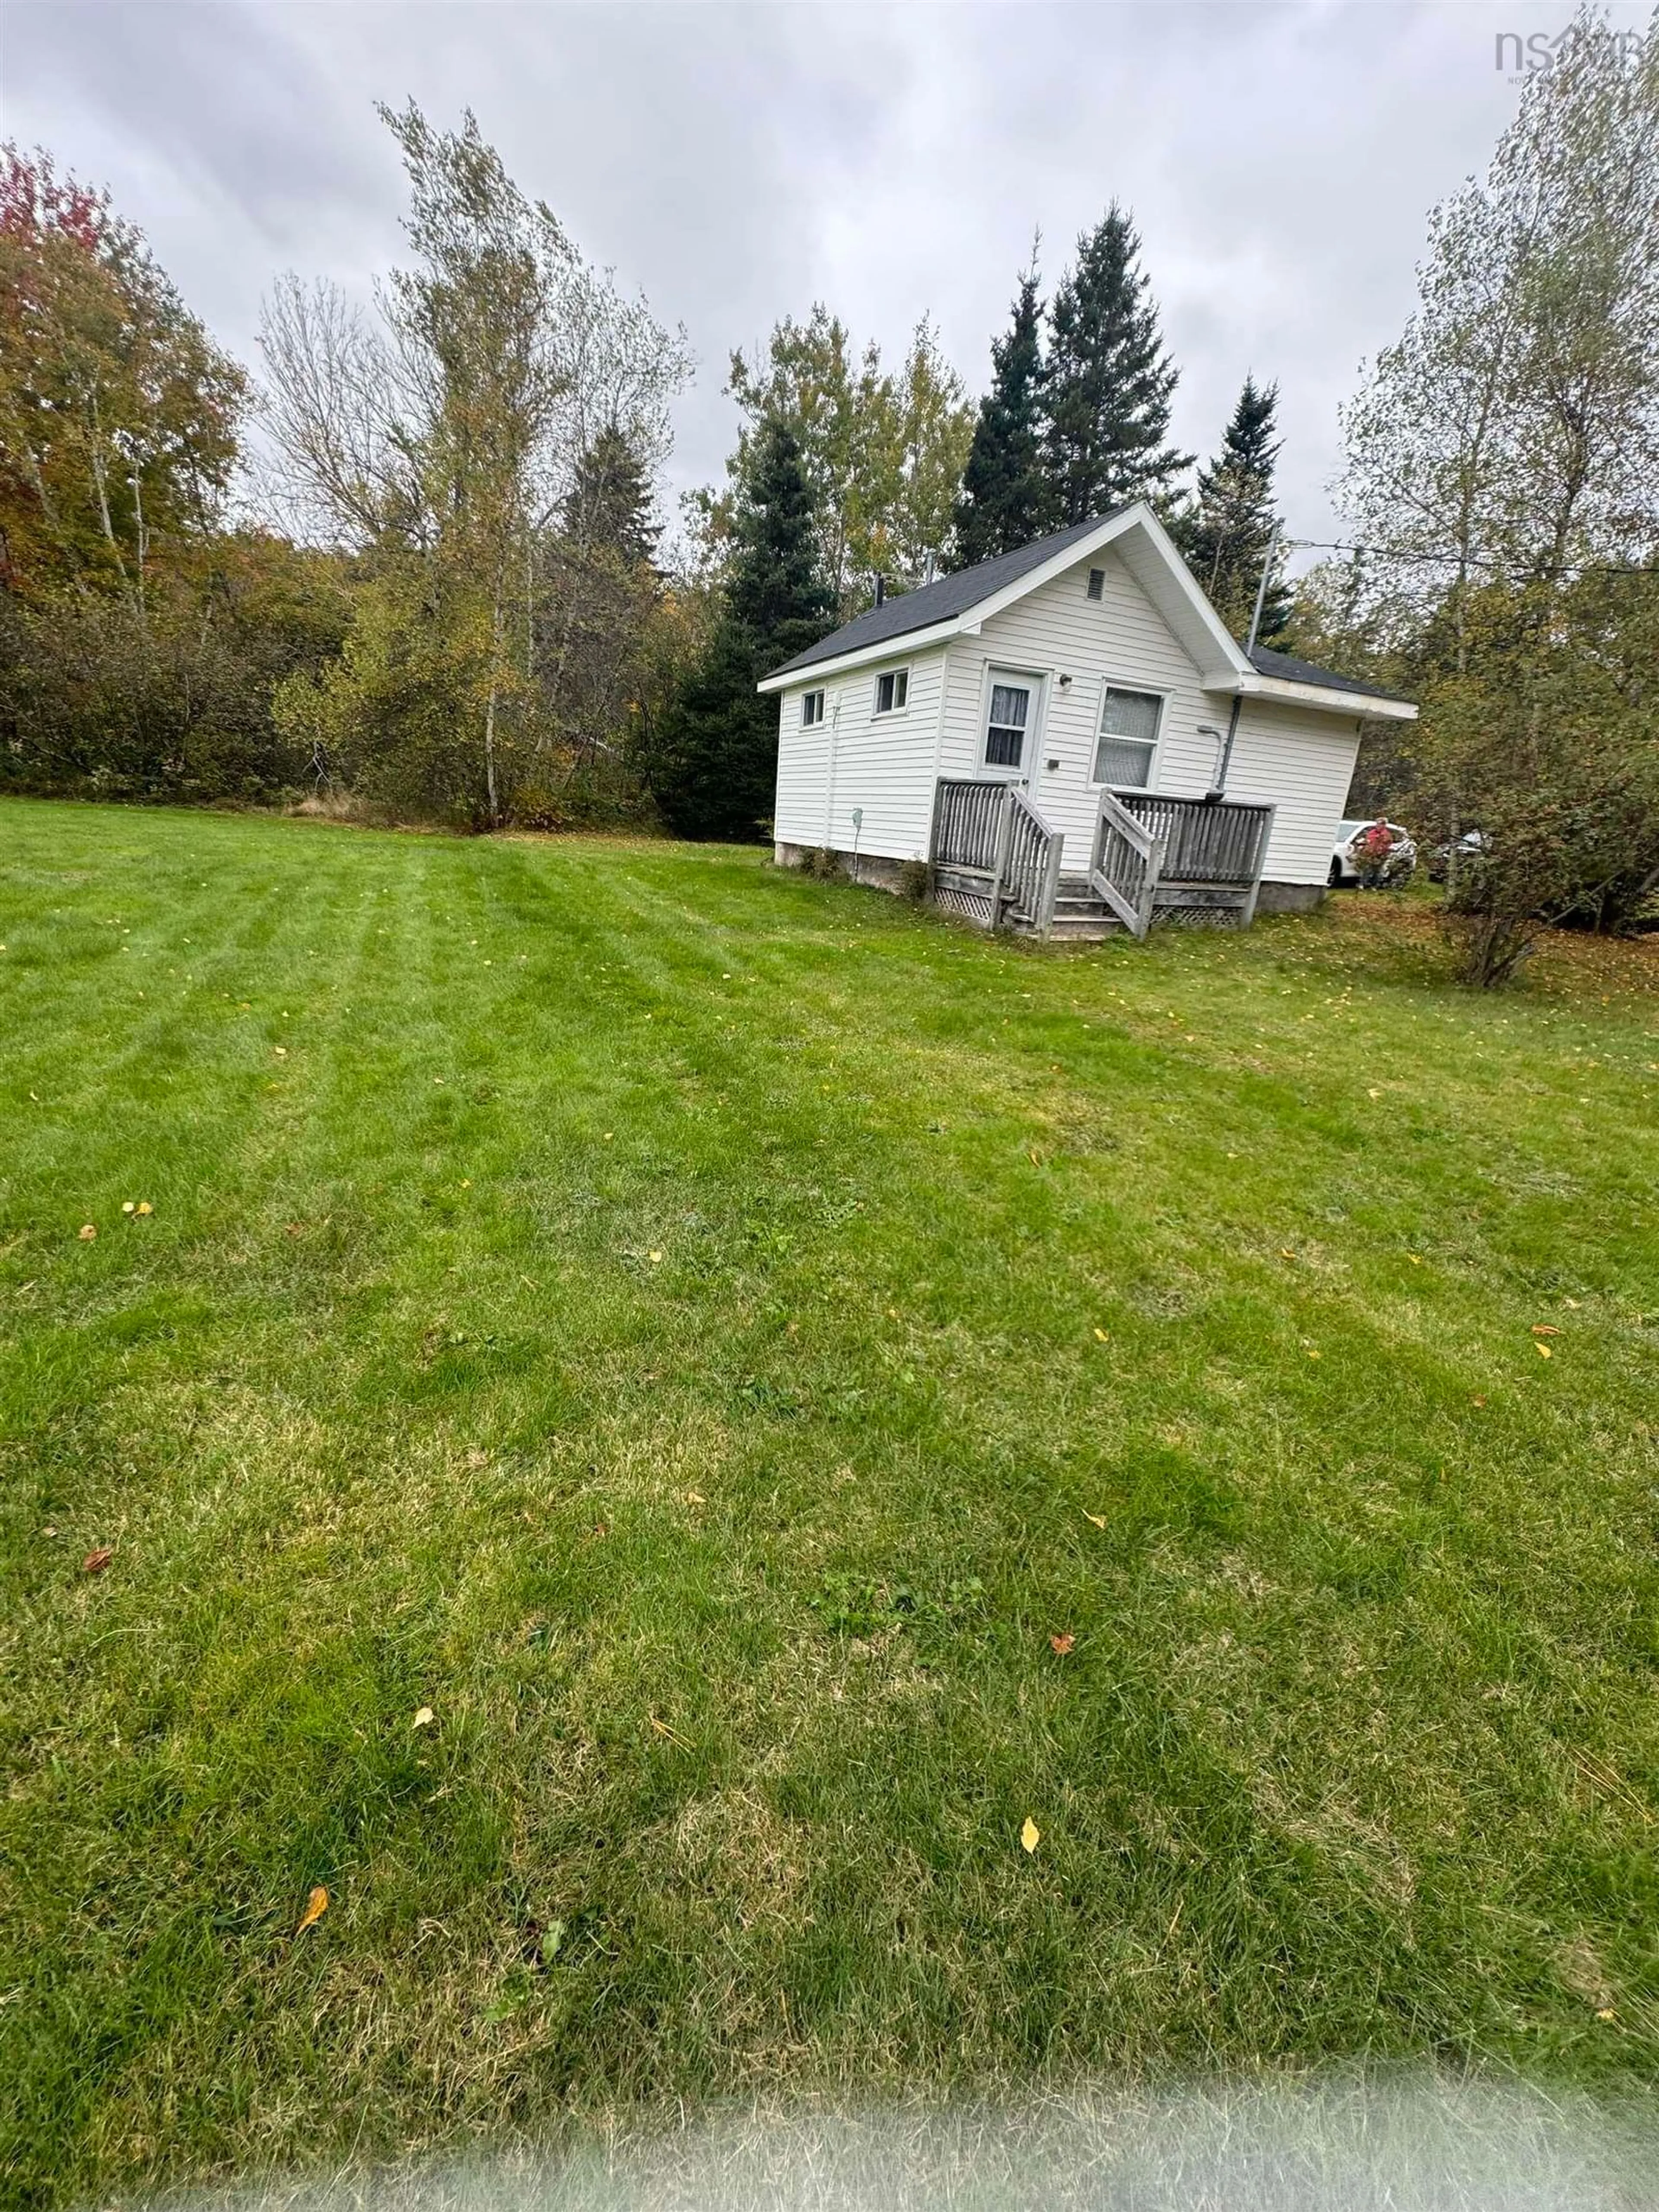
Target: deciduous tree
[[118, 416], [882, 453], [1504, 454], [447, 441]]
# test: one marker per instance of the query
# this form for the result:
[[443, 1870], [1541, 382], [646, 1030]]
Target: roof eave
[[862, 656], [1325, 698]]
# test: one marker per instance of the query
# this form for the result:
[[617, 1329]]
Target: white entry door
[[1010, 723]]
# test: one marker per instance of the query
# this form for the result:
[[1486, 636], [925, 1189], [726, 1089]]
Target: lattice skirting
[[973, 906], [1197, 917]]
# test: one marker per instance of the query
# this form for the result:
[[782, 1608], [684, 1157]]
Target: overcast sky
[[738, 163]]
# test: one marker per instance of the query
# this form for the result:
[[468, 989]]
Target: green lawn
[[704, 1334]]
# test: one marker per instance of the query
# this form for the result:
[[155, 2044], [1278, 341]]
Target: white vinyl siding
[[1300, 763], [856, 757]]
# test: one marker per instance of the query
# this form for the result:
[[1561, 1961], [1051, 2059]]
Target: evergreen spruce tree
[[774, 591], [1109, 383], [715, 761], [1226, 532], [608, 508], [1003, 503]]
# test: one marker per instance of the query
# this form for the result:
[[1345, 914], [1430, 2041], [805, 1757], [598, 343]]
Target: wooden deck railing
[[1125, 864], [1153, 857], [1030, 874], [988, 832], [1205, 841], [1180, 859]]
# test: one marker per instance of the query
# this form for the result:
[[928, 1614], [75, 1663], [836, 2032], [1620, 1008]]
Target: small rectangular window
[[1096, 582], [1129, 739], [892, 690], [811, 708]]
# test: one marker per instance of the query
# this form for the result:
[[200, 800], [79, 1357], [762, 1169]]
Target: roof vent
[[1096, 582], [881, 589]]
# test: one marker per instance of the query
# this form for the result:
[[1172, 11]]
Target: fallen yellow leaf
[[653, 1257], [696, 1498], [1544, 1328], [1099, 1519], [144, 1207], [1031, 1835], [316, 1905], [127, 1206], [1063, 1643], [424, 1718], [1103, 1336], [89, 1233], [1542, 1349]]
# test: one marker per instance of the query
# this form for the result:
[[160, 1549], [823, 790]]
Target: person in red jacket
[[1371, 851]]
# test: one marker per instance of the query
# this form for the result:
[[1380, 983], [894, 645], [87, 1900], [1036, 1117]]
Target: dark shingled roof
[[937, 602], [1287, 669], [955, 595]]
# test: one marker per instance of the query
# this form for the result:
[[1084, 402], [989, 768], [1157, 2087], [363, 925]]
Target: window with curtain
[[1005, 728], [1129, 739]]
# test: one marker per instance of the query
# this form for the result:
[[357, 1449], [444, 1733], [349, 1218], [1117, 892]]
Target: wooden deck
[[1191, 862]]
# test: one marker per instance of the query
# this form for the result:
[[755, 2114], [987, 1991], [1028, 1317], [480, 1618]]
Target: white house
[[1088, 673]]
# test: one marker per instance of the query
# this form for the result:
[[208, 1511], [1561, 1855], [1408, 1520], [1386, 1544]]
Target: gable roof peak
[[950, 599]]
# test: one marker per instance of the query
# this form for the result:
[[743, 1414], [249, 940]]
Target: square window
[[1129, 739], [892, 690], [1097, 583], [811, 708]]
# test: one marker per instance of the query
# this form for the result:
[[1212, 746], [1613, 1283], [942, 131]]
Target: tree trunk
[[101, 486], [489, 710]]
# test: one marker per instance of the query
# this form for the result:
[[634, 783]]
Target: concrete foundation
[[874, 869], [1289, 898]]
